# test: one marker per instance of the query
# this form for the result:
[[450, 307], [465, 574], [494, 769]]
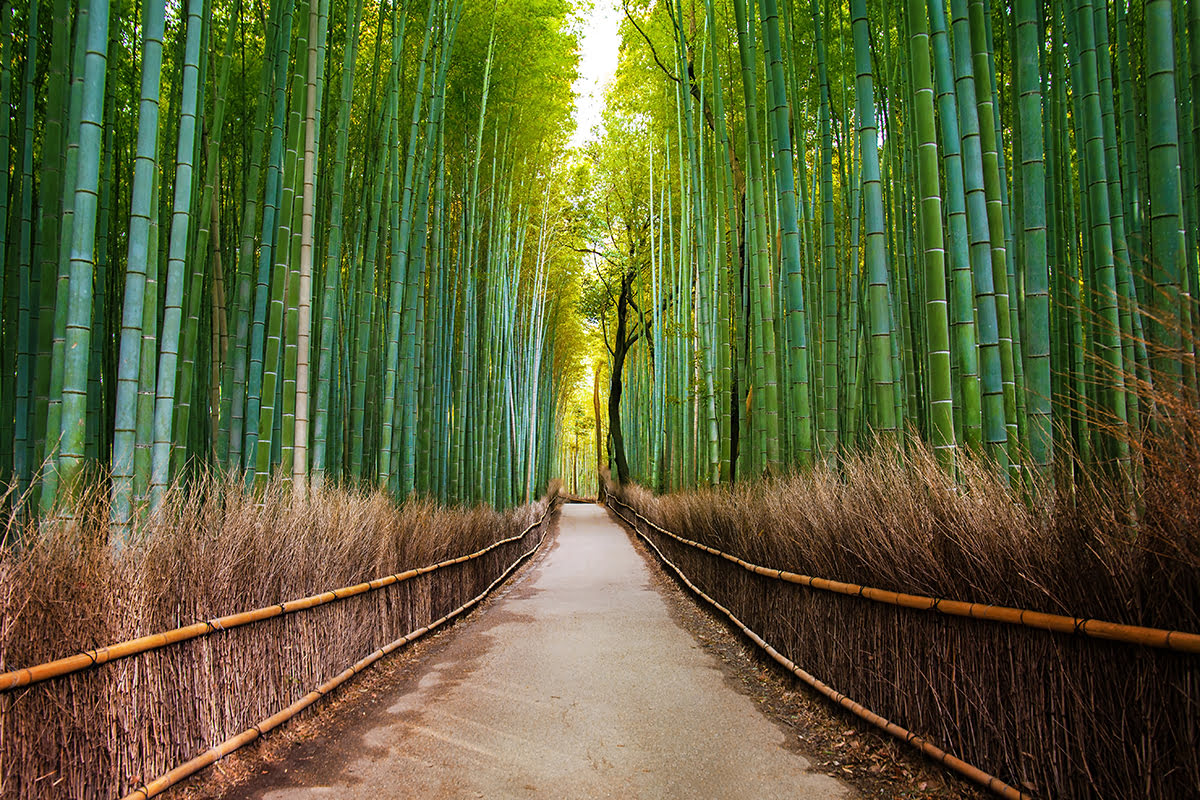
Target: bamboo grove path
[[576, 682]]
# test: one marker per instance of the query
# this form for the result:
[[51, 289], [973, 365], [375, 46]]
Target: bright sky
[[597, 63]]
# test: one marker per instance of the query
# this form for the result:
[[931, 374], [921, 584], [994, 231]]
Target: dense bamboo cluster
[[974, 220], [301, 236]]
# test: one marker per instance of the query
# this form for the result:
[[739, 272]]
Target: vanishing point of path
[[575, 683]]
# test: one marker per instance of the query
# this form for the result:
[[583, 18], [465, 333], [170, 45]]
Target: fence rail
[[1178, 641]]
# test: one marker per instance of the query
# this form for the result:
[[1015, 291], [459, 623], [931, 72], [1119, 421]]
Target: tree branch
[[649, 44], [589, 251]]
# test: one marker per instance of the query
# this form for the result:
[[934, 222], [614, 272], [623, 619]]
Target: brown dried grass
[[213, 550], [1060, 715]]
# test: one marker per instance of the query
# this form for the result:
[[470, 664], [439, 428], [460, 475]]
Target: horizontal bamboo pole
[[969, 771], [102, 655], [1179, 641], [211, 756]]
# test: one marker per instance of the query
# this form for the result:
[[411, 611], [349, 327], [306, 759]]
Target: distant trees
[[619, 246]]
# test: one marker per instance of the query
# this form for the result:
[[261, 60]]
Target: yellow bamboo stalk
[[969, 771], [1179, 641], [214, 754], [102, 655]]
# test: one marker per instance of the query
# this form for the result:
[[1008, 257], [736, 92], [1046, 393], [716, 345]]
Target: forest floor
[[590, 674]]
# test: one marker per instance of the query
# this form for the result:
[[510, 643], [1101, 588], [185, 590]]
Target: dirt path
[[577, 682]]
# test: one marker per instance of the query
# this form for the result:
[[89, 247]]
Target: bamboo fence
[[1056, 706], [104, 722], [102, 655], [216, 753]]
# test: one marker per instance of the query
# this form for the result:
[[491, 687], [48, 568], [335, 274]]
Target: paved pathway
[[576, 683]]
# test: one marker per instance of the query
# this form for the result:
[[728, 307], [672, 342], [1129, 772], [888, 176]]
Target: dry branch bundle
[[212, 551]]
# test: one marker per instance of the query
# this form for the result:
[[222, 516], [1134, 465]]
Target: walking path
[[575, 683]]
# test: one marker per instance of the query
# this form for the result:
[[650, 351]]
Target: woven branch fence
[[1054, 714], [106, 730]]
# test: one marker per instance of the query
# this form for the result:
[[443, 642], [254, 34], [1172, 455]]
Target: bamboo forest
[[970, 223], [294, 239], [895, 293], [975, 224]]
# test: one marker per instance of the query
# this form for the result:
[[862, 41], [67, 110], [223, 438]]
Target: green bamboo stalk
[[180, 222], [333, 259], [987, 312], [1108, 345], [186, 394], [256, 379], [234, 389], [416, 257], [966, 358], [994, 184], [137, 259], [829, 272], [937, 327], [8, 266], [83, 249], [879, 304], [401, 232], [1033, 206], [797, 322], [58, 330], [1166, 205], [762, 298], [23, 456], [303, 337], [282, 360], [50, 193]]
